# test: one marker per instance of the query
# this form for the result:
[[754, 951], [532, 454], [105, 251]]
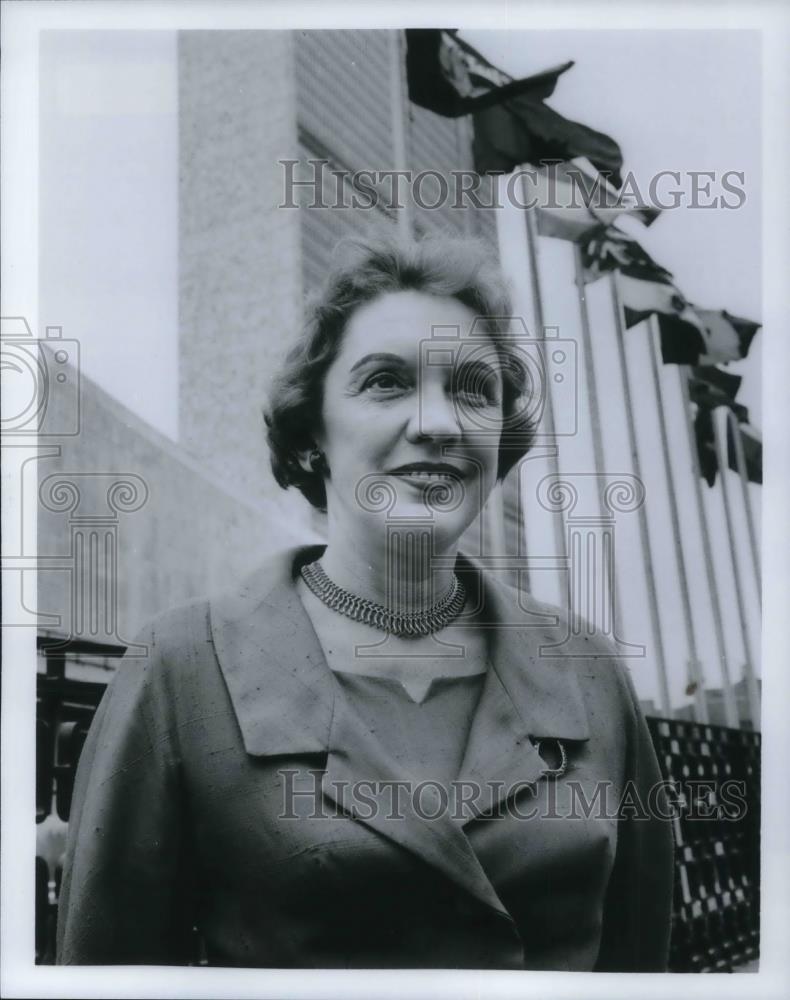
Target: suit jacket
[[218, 787]]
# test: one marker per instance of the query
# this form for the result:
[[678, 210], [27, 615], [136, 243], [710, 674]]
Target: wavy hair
[[364, 269]]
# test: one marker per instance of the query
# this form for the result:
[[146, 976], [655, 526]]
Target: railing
[[64, 709], [715, 772]]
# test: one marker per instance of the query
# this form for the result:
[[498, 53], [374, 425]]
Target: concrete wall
[[191, 533], [239, 255]]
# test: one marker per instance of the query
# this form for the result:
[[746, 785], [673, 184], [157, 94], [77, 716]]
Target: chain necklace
[[413, 623]]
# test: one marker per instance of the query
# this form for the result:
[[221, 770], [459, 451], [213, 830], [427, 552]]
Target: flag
[[727, 337], [705, 441], [752, 445], [706, 447], [710, 388], [689, 335], [523, 129], [680, 329], [512, 124], [573, 201], [449, 77], [613, 250]]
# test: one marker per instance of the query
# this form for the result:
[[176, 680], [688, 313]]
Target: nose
[[435, 415]]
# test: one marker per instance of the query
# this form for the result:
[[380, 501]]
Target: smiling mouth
[[429, 473]]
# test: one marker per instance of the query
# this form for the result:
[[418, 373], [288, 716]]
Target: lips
[[428, 472]]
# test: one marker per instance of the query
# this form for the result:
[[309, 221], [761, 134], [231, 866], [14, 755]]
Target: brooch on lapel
[[555, 755]]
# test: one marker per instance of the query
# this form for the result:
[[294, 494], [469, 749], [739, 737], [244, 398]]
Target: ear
[[313, 461], [304, 459]]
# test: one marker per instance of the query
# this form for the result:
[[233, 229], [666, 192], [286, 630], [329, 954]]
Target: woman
[[361, 758]]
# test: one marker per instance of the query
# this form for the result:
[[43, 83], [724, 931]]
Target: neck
[[399, 572]]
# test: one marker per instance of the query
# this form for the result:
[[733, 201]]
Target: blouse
[[426, 738]]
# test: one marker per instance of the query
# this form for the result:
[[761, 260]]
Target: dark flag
[[706, 445], [613, 250], [449, 77], [680, 329], [710, 388], [525, 130], [752, 446], [512, 124]]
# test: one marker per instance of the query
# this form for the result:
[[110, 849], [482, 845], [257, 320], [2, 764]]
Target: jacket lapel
[[356, 761], [287, 701], [278, 680], [524, 696]]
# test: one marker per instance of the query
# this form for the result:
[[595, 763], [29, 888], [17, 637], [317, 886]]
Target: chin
[[401, 509], [446, 529], [415, 517]]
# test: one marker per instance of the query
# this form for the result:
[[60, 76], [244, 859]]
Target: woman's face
[[412, 415]]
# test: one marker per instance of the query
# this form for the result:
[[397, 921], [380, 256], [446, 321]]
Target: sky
[[680, 100], [108, 264]]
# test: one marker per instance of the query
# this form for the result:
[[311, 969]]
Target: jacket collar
[[275, 670], [283, 691]]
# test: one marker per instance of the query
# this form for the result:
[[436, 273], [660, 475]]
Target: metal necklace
[[413, 623]]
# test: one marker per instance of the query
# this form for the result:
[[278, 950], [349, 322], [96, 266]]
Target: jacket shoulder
[[169, 650], [555, 624], [572, 644], [177, 628]]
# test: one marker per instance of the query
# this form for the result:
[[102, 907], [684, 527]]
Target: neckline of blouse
[[418, 689]]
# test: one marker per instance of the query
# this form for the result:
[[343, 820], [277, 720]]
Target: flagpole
[[753, 695], [537, 299], [644, 532], [697, 674], [730, 704], [512, 514], [595, 419], [398, 106], [592, 386], [740, 461]]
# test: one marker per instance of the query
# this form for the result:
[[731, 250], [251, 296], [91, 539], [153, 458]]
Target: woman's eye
[[384, 381], [476, 395]]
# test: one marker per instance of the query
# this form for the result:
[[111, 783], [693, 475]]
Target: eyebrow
[[391, 358], [464, 368]]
